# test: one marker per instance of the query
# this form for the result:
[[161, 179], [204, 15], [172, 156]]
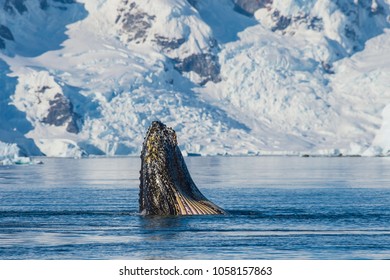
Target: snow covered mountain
[[87, 77]]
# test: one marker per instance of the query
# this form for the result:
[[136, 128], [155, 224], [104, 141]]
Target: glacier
[[231, 77]]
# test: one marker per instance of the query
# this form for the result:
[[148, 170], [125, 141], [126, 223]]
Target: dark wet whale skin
[[166, 186]]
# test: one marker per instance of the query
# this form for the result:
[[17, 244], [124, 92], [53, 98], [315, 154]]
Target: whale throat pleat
[[188, 206]]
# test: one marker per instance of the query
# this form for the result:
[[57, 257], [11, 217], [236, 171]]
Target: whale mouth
[[166, 186]]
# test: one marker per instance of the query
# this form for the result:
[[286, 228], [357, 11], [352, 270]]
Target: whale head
[[166, 186]]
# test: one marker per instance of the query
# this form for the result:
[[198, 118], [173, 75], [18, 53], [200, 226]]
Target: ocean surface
[[279, 208]]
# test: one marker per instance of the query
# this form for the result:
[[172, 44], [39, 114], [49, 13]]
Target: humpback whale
[[166, 186]]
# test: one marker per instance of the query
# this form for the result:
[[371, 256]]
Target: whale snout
[[166, 186]]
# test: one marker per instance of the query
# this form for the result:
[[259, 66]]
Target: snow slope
[[293, 99], [280, 77]]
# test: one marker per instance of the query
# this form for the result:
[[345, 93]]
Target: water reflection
[[156, 228], [208, 172]]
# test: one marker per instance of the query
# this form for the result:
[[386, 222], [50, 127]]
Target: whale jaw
[[166, 186]]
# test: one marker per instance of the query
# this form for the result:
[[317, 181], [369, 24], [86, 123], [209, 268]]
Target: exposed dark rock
[[312, 22], [135, 25], [134, 22], [282, 23], [350, 32], [61, 112], [11, 6], [5, 33], [316, 24], [205, 65], [359, 14], [249, 7], [327, 67], [167, 43], [43, 89]]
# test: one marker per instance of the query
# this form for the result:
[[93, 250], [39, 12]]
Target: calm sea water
[[280, 208]]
